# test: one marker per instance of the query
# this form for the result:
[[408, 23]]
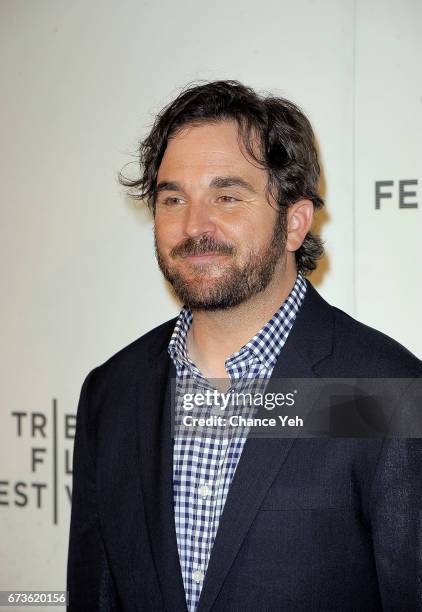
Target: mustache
[[205, 244]]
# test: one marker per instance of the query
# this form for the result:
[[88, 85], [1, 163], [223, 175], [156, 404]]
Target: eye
[[229, 199], [172, 200]]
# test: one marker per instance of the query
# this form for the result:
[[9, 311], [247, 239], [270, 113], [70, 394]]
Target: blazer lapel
[[156, 468], [309, 341]]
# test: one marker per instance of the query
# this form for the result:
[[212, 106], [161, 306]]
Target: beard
[[238, 283]]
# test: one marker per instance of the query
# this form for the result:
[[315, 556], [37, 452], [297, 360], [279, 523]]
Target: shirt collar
[[266, 344]]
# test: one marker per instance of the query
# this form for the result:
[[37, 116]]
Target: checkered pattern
[[203, 466]]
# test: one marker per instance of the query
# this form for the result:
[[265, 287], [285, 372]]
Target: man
[[162, 522]]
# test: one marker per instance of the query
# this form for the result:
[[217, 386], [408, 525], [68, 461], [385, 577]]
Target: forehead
[[206, 150]]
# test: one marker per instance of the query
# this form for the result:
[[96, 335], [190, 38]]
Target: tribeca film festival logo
[[48, 480], [403, 193]]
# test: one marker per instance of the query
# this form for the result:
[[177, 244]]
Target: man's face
[[218, 240]]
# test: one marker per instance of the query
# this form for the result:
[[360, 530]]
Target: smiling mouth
[[204, 256]]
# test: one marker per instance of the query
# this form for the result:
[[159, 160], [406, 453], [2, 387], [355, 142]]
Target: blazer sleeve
[[396, 516], [89, 581]]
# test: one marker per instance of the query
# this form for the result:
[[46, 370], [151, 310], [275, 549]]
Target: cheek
[[249, 232], [237, 226], [167, 234]]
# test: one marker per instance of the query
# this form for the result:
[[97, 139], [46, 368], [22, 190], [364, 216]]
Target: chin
[[202, 275]]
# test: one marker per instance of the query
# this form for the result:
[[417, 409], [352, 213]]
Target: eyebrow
[[218, 182], [168, 186]]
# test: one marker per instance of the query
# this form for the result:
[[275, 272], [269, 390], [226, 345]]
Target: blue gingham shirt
[[203, 466]]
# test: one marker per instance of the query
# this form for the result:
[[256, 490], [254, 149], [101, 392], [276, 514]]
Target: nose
[[198, 220]]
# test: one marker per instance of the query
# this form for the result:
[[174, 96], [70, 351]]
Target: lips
[[204, 256], [205, 246]]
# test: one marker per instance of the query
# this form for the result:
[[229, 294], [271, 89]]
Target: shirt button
[[197, 576], [204, 491]]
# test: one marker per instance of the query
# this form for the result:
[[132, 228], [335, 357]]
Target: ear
[[299, 220]]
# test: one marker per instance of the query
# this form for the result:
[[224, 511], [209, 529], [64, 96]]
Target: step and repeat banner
[[388, 169], [82, 83]]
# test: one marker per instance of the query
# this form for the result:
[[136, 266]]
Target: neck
[[215, 335]]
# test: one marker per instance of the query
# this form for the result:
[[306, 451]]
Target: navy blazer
[[308, 524]]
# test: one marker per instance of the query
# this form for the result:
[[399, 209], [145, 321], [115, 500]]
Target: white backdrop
[[81, 83]]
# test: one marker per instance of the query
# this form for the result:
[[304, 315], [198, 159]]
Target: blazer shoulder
[[122, 363], [371, 350]]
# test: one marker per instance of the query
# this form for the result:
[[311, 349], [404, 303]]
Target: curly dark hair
[[287, 148]]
